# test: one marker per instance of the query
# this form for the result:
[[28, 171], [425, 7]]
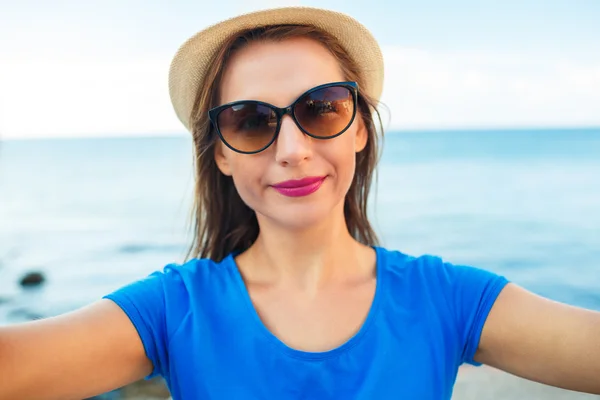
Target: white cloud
[[84, 98], [428, 90]]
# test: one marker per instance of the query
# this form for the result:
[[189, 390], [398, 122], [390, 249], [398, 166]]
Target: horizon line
[[175, 134]]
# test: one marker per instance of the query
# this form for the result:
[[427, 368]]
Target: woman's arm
[[73, 356], [542, 340]]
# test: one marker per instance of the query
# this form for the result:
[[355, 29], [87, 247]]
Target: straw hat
[[193, 58]]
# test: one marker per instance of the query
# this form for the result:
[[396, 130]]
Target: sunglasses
[[250, 126]]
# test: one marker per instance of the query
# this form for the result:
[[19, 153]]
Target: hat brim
[[192, 60]]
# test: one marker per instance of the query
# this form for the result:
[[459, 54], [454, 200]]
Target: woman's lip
[[300, 187], [298, 183]]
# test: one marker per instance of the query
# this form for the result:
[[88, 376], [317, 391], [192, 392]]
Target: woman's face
[[277, 73]]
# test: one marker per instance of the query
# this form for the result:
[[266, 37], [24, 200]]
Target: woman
[[289, 295]]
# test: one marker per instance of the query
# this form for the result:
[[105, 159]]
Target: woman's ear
[[221, 159], [362, 135]]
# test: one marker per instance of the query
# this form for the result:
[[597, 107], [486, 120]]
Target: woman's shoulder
[[453, 294], [177, 286], [394, 259], [430, 268], [198, 271]]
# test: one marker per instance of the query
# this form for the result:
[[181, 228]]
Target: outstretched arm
[[542, 340], [72, 356]]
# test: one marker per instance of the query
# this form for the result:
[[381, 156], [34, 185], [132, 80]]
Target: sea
[[95, 214]]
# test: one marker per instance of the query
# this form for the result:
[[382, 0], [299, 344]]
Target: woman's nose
[[292, 145]]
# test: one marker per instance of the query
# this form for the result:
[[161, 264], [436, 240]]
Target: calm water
[[95, 214]]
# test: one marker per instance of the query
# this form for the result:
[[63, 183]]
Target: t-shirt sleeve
[[470, 293], [147, 303]]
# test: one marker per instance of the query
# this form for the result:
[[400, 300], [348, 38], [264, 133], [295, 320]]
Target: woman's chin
[[299, 217]]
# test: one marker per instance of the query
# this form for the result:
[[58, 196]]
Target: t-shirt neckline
[[307, 355]]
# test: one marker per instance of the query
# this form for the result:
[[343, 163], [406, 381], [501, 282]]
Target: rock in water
[[33, 278]]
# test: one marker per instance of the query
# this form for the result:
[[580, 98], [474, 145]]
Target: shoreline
[[472, 383], [490, 383]]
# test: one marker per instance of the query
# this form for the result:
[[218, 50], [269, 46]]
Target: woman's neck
[[306, 259]]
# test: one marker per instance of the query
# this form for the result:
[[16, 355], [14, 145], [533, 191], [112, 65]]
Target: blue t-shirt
[[203, 335]]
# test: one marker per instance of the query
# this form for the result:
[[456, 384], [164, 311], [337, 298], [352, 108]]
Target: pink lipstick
[[299, 187]]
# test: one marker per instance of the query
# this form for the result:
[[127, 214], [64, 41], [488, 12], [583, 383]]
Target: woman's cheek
[[248, 184]]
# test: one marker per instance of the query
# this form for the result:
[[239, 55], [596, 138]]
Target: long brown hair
[[223, 223]]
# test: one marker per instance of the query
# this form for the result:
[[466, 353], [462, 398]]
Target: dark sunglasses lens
[[326, 112], [247, 127]]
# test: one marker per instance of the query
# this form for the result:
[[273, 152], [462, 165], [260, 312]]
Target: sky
[[99, 68]]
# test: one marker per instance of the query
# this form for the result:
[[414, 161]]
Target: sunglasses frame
[[213, 114]]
